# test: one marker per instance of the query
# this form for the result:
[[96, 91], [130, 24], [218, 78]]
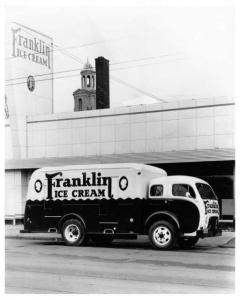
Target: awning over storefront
[[147, 158]]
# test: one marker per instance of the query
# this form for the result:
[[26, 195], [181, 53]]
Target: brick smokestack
[[102, 83]]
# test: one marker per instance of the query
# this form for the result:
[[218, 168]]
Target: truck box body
[[92, 181]]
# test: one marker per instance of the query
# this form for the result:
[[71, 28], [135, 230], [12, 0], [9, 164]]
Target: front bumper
[[209, 232], [212, 230]]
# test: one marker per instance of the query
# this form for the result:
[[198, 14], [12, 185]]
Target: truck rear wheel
[[162, 235], [187, 242], [73, 232]]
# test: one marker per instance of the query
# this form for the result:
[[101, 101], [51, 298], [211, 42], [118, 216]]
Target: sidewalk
[[227, 240], [13, 232]]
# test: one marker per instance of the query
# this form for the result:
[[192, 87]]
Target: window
[[205, 191], [83, 82], [156, 190], [88, 81], [183, 190], [79, 104]]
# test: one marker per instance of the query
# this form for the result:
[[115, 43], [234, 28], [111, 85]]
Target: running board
[[125, 236]]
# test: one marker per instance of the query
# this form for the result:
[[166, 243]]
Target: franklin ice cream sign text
[[91, 186], [30, 48]]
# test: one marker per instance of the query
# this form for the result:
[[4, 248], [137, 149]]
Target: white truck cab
[[193, 190]]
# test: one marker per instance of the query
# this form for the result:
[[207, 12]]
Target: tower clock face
[[31, 83]]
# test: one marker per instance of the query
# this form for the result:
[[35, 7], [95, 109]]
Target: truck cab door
[[129, 215]]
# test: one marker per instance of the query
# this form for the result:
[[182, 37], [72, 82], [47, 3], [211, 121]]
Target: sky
[[156, 52]]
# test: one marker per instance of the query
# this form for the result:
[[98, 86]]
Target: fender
[[74, 215], [164, 212]]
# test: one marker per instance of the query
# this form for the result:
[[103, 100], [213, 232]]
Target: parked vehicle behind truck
[[114, 201]]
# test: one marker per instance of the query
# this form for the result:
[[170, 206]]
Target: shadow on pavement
[[137, 245]]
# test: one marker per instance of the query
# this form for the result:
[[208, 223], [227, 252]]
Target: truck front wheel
[[162, 235], [73, 232]]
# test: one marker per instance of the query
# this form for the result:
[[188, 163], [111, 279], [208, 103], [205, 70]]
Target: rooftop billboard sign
[[29, 80], [30, 47]]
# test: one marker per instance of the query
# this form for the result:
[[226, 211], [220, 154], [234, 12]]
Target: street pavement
[[42, 264], [226, 240]]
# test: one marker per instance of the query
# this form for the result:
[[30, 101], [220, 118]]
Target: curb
[[33, 238]]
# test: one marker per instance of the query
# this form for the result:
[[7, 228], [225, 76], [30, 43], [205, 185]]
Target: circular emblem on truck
[[123, 183], [31, 83], [38, 186]]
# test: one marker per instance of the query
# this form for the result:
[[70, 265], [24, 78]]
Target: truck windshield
[[205, 191]]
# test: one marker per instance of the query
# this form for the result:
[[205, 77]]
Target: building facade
[[193, 137]]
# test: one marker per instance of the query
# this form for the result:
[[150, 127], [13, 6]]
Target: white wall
[[13, 193], [149, 128], [8, 142], [16, 183]]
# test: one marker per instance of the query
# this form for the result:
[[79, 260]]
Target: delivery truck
[[120, 201]]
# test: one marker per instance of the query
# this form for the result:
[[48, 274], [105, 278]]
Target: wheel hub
[[162, 235], [72, 232]]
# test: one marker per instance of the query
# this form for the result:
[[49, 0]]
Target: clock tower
[[85, 98]]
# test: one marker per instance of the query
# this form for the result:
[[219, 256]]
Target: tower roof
[[87, 66]]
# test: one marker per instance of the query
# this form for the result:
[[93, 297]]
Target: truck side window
[[156, 190], [183, 190]]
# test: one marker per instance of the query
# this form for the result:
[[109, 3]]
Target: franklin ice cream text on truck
[[112, 201]]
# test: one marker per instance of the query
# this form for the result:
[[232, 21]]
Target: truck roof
[[135, 166], [178, 179]]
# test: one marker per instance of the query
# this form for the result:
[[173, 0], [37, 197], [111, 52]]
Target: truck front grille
[[213, 224]]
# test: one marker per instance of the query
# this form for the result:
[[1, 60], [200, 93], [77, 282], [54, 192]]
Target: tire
[[102, 239], [73, 232], [162, 235], [186, 243]]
